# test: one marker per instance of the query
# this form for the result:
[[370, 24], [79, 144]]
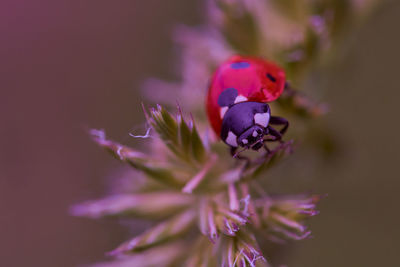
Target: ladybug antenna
[[240, 151]]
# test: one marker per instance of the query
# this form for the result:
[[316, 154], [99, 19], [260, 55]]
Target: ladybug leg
[[275, 135], [266, 148], [280, 121], [233, 151], [238, 156]]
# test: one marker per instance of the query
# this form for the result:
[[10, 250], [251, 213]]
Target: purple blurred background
[[69, 65]]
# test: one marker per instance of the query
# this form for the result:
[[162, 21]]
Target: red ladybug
[[237, 102]]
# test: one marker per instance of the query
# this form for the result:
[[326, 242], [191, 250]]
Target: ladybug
[[237, 102]]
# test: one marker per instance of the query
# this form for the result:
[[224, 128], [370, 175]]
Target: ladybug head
[[245, 125], [252, 138]]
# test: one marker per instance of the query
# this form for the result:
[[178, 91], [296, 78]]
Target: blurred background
[[66, 66]]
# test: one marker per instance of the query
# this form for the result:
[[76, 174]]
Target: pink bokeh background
[[66, 66]]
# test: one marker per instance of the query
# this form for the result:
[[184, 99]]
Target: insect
[[237, 102]]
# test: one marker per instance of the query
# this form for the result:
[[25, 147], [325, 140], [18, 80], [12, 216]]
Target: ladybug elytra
[[237, 102]]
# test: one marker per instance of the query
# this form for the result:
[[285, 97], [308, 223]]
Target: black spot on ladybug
[[227, 97], [240, 65], [272, 78]]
